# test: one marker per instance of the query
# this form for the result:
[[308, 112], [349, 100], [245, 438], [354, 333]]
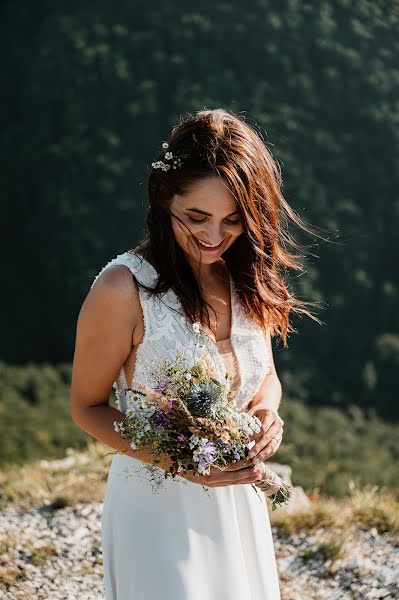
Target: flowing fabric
[[184, 542]]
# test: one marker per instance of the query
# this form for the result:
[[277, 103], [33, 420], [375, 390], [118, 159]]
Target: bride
[[214, 254]]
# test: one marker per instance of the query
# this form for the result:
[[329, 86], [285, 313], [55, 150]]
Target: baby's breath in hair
[[176, 161]]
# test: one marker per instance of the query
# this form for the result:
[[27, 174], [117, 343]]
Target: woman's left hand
[[270, 435]]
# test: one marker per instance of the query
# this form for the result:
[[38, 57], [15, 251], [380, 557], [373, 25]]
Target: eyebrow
[[202, 212]]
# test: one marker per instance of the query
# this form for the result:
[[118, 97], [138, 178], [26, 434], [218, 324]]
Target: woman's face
[[210, 220]]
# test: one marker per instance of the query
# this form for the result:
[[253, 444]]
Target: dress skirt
[[184, 543]]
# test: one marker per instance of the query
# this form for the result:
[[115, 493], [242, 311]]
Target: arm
[[269, 394], [106, 330], [265, 405]]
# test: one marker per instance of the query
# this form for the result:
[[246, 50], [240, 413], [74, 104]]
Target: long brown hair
[[222, 144]]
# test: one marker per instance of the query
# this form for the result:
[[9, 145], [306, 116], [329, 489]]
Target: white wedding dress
[[185, 543]]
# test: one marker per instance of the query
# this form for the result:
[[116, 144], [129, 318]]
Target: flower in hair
[[176, 161]]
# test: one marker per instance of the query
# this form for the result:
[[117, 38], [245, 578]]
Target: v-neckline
[[232, 318], [230, 304], [231, 336]]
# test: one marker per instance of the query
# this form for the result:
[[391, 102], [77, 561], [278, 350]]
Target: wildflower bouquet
[[192, 416]]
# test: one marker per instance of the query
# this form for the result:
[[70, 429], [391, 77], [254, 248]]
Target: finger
[[269, 450], [256, 475], [242, 475], [268, 426], [275, 431], [266, 417], [264, 429], [248, 474], [260, 444], [225, 476], [246, 480], [238, 464]]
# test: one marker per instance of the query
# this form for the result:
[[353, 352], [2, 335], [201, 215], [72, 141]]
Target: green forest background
[[89, 91]]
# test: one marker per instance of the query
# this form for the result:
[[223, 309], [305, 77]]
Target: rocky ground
[[50, 536], [55, 553]]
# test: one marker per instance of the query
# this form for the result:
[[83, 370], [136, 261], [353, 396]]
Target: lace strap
[[146, 274], [143, 271]]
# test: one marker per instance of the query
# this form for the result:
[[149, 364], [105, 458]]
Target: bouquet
[[192, 416]]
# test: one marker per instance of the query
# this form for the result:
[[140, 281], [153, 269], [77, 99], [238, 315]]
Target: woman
[[213, 254]]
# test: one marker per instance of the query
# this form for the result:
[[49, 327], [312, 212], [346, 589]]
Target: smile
[[209, 247]]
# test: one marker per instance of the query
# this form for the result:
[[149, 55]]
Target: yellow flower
[[121, 451]]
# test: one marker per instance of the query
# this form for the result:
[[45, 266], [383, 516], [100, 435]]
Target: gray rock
[[66, 545], [283, 471]]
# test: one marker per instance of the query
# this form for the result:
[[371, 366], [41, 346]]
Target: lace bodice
[[167, 332], [230, 360]]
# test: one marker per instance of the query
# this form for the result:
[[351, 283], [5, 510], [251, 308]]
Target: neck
[[205, 273]]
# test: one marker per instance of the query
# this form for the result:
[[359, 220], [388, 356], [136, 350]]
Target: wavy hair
[[219, 143]]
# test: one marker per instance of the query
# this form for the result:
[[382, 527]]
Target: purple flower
[[181, 437], [209, 451], [161, 387], [161, 419], [235, 453], [223, 444]]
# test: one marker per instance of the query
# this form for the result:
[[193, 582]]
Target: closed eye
[[229, 221]]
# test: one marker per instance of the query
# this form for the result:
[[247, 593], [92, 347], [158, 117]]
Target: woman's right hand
[[235, 473]]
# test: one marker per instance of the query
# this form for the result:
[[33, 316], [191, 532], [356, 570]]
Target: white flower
[[193, 441], [196, 327], [188, 376], [159, 164]]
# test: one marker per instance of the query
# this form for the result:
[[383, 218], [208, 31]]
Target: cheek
[[236, 232], [182, 233]]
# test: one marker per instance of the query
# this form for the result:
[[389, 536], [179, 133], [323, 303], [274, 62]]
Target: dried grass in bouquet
[[192, 416]]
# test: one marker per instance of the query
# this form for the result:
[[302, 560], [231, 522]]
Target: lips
[[207, 248]]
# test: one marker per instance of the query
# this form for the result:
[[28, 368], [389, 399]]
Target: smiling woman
[[214, 256], [216, 231], [224, 205]]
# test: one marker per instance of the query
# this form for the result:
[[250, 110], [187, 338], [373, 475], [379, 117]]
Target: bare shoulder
[[105, 328], [116, 292], [117, 278], [112, 305]]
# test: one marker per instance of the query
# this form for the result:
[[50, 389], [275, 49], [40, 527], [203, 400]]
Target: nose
[[214, 234]]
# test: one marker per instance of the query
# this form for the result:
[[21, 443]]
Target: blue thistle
[[203, 395]]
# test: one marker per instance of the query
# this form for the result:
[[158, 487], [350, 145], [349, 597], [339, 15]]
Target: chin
[[205, 260]]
